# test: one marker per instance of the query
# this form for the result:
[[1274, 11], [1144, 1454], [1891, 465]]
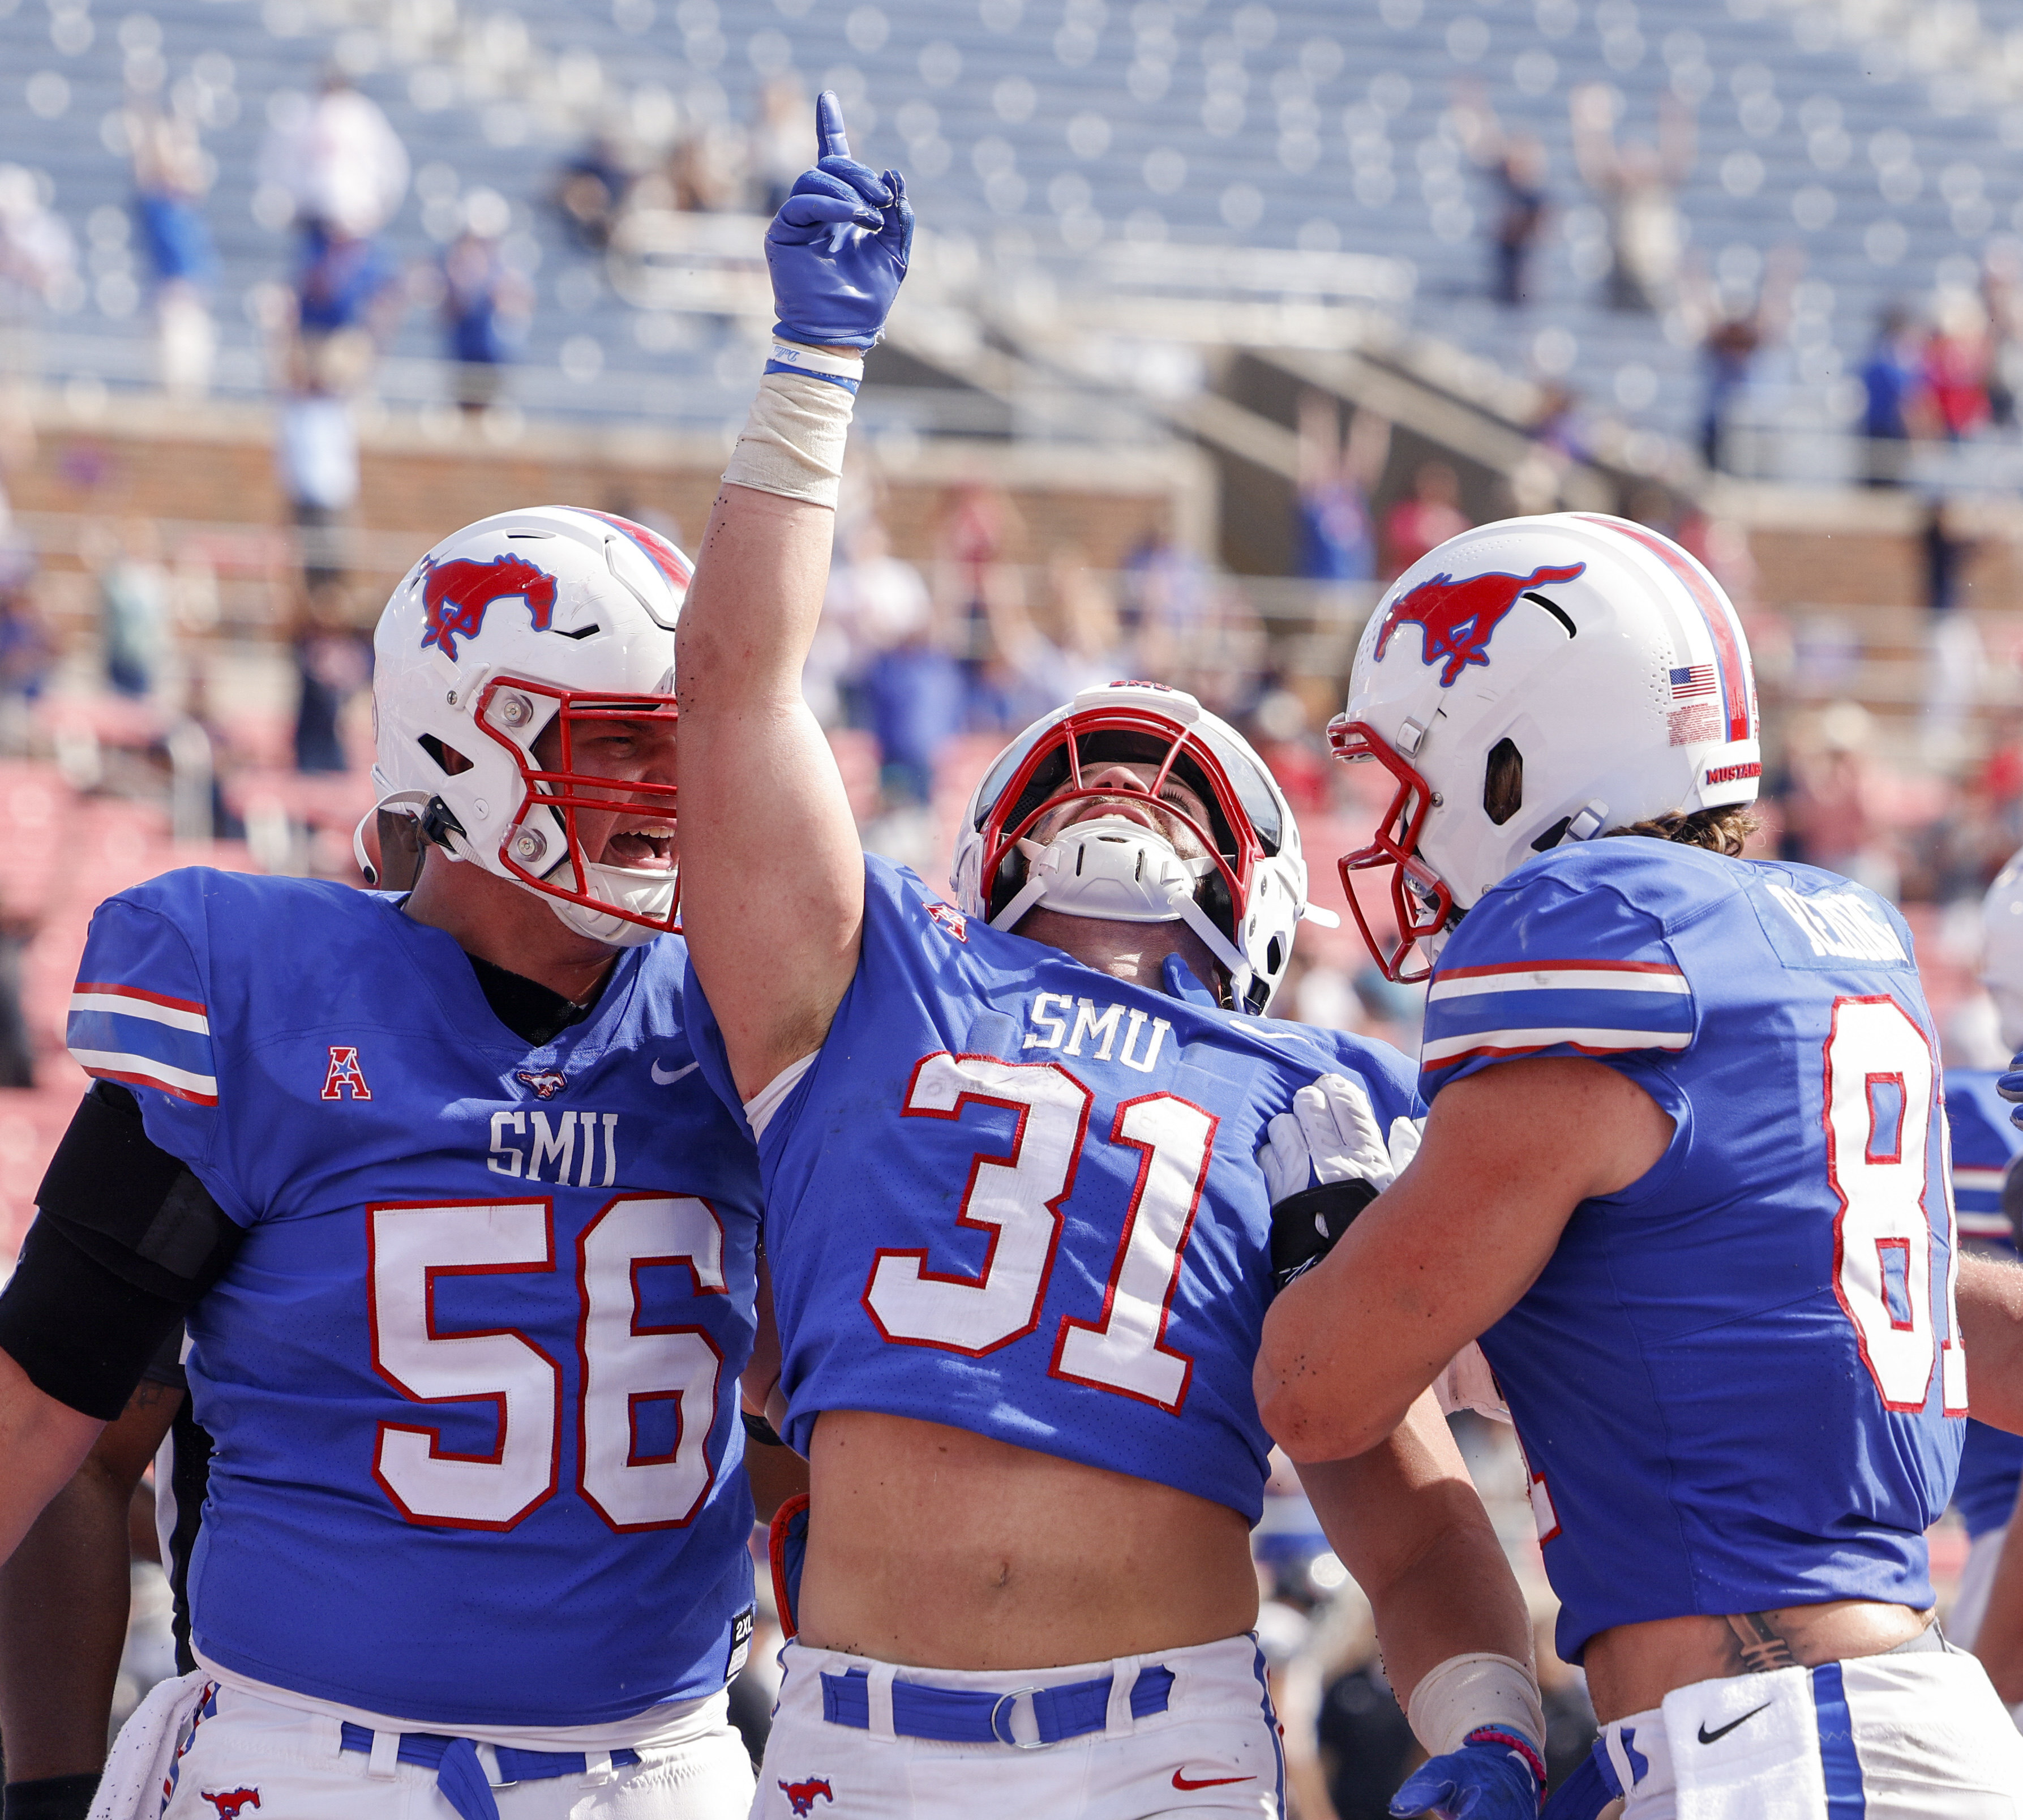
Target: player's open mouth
[[1118, 808], [649, 847]]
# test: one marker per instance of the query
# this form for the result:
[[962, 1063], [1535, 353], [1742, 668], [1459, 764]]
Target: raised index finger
[[830, 141]]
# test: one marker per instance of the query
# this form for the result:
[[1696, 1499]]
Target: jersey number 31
[[1016, 1198]]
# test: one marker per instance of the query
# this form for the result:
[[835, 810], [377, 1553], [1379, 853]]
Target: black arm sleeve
[[82, 1335], [124, 1240]]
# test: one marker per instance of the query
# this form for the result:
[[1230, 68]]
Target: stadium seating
[[1049, 135]]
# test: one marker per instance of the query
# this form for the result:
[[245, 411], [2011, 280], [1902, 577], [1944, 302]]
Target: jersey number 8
[[622, 1363], [1879, 1106]]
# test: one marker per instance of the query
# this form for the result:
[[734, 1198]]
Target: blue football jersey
[[1015, 1195], [1736, 1382], [471, 1376], [1983, 1142]]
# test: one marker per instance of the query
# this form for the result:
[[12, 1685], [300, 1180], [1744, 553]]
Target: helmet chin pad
[[645, 893], [1111, 868]]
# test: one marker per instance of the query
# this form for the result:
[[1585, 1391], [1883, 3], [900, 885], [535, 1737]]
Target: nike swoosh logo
[[661, 1080], [1708, 1737], [1187, 1787]]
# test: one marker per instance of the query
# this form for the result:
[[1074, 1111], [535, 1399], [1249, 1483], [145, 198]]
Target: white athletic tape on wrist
[[843, 370], [1466, 1692], [792, 442]]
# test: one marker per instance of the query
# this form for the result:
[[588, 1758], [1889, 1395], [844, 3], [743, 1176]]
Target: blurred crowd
[[1000, 624]]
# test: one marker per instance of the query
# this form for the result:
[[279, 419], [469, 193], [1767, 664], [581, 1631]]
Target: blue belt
[[975, 1715], [461, 1777]]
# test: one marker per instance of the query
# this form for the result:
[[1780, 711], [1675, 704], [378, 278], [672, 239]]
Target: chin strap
[[1117, 870], [417, 801]]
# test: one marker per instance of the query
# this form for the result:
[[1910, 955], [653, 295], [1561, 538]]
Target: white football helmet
[[1597, 655], [522, 619], [1243, 896], [2002, 950]]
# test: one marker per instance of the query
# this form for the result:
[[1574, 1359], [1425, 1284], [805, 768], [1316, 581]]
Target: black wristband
[[2012, 1199], [1305, 1226], [50, 1798], [82, 1333], [757, 1428]]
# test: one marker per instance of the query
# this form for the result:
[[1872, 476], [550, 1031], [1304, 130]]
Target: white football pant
[[1186, 1732], [1919, 1737], [241, 1756], [1977, 1581]]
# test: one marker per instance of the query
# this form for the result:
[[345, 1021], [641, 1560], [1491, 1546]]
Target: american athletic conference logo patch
[[454, 596], [1456, 618]]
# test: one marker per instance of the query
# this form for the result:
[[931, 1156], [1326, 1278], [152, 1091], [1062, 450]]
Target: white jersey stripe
[[1486, 1042], [1559, 980], [178, 1080], [121, 1005], [1978, 1178]]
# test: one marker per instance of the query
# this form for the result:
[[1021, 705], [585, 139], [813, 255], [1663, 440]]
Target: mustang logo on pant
[[801, 1795], [229, 1804]]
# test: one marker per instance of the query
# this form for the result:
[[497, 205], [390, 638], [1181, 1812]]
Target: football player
[[465, 1246], [1021, 1243], [1685, 1173], [65, 1592], [1985, 1144]]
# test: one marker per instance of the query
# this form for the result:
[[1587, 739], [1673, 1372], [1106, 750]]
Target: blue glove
[[1495, 1775], [2010, 1087], [839, 244]]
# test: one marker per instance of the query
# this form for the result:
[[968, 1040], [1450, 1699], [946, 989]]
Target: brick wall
[[215, 466]]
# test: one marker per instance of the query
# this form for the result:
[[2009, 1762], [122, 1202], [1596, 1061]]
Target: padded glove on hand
[[1495, 1775], [838, 246], [1324, 1162]]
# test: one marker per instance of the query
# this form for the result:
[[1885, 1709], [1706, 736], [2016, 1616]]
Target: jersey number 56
[[624, 1363]]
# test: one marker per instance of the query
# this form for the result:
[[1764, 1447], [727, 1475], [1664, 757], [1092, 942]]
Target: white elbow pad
[[1465, 1693]]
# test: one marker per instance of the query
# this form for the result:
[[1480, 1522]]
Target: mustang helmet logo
[[547, 1082], [801, 1795], [229, 1804], [457, 595], [1456, 618]]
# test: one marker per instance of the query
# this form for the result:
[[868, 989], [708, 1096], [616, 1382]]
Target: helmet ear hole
[[447, 757], [1503, 782]]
